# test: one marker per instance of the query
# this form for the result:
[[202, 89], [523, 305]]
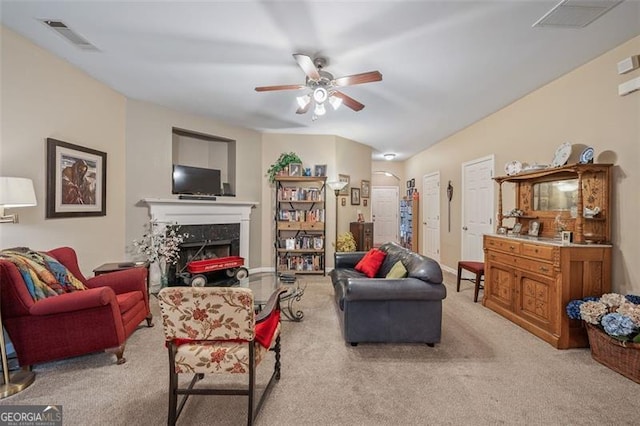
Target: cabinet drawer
[[529, 265], [537, 251], [534, 266], [509, 246]]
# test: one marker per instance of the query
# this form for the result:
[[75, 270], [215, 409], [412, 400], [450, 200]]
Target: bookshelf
[[300, 231]]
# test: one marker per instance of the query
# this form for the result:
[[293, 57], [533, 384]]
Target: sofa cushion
[[371, 262], [395, 253], [398, 271], [128, 300]]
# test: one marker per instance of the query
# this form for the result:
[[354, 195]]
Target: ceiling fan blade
[[365, 77], [349, 101], [281, 87], [307, 65]]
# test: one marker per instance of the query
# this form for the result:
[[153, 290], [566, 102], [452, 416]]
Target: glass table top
[[265, 283]]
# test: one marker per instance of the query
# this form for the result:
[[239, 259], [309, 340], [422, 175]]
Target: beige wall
[[43, 97], [149, 159], [582, 107]]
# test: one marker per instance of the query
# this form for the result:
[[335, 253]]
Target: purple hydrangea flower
[[616, 324]]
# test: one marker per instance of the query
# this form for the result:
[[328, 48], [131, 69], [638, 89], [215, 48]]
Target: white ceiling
[[445, 64]]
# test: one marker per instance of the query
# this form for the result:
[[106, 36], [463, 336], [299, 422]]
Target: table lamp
[[14, 192]]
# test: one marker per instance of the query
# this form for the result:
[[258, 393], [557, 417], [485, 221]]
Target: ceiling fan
[[323, 86]]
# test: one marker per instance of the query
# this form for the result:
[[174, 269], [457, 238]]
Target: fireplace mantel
[[201, 212]]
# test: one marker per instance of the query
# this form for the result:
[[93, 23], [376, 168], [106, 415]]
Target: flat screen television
[[195, 181]]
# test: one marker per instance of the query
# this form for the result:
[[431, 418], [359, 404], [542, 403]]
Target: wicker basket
[[621, 357]]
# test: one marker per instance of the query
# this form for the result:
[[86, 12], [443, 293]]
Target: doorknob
[[464, 228]]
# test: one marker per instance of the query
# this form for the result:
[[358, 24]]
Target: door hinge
[[490, 221]]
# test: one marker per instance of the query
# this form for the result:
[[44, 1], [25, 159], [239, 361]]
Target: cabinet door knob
[[544, 269]]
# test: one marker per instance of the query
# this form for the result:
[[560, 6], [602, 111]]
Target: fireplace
[[208, 241], [223, 225]]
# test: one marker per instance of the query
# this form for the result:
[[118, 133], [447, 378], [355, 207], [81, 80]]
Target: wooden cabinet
[[409, 220], [529, 279], [363, 234], [530, 283], [300, 224]]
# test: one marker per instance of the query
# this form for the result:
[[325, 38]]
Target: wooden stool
[[473, 267]]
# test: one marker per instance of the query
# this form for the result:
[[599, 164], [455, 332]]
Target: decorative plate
[[513, 168], [587, 155], [536, 166], [562, 155]]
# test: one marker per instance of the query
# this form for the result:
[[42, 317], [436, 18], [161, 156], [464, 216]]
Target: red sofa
[[72, 324]]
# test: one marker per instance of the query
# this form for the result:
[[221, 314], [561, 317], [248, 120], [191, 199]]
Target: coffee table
[[264, 284]]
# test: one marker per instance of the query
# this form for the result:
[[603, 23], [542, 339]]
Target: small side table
[[118, 266], [105, 268]]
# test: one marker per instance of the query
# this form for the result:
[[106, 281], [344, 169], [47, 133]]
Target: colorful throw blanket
[[43, 275]]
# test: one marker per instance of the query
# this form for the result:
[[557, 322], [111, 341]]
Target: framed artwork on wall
[[76, 180], [364, 188], [355, 196], [344, 178]]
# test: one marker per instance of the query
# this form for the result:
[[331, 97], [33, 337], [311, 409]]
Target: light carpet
[[485, 371]]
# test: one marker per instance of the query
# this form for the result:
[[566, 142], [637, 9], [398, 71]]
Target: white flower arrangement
[[160, 244]]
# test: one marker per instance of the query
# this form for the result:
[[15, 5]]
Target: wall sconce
[[15, 192]]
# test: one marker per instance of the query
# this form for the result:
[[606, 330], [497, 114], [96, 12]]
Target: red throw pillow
[[371, 262]]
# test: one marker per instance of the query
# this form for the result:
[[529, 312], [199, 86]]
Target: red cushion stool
[[476, 268]]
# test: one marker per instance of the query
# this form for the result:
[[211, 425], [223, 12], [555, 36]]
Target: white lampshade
[[17, 192], [320, 110], [336, 185], [335, 102]]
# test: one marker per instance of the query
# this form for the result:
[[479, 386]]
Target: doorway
[[477, 206], [384, 212], [431, 216]]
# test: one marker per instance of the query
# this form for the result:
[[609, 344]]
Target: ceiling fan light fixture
[[320, 95], [319, 110], [303, 101], [335, 102]]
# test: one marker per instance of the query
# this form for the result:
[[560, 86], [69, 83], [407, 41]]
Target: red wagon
[[233, 266]]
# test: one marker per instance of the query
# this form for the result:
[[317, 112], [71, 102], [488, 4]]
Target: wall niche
[[191, 148]]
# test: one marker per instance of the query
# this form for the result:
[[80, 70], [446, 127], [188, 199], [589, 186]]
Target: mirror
[[558, 195]]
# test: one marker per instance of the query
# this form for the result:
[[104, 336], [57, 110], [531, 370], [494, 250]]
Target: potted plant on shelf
[[613, 327], [282, 164]]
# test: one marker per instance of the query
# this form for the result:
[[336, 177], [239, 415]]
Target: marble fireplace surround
[[202, 212]]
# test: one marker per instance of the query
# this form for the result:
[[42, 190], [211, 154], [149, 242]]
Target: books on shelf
[[299, 194], [295, 215]]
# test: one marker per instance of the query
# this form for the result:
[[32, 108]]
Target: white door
[[385, 206], [477, 206], [431, 215]]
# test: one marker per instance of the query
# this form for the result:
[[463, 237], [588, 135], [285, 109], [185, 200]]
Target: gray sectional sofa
[[389, 310]]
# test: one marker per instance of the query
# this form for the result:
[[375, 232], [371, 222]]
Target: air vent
[[71, 36], [576, 13]]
